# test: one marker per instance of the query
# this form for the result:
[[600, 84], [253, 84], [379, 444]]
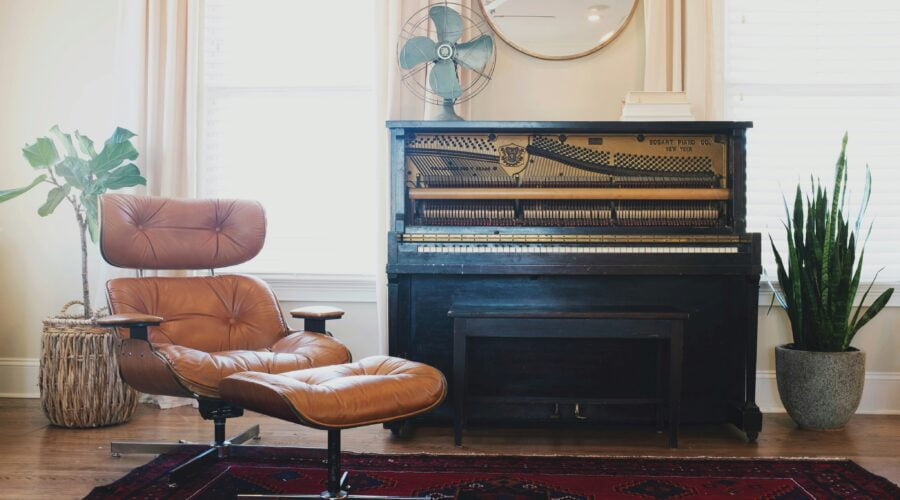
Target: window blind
[[805, 72], [288, 118]]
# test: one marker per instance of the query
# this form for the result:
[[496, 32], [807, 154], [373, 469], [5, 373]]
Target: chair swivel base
[[338, 489], [220, 448]]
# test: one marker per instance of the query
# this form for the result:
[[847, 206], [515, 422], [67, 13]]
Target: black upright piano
[[577, 215]]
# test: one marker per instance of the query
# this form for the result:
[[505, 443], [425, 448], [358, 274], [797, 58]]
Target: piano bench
[[660, 324]]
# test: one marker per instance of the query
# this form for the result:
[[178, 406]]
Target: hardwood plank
[[41, 461]]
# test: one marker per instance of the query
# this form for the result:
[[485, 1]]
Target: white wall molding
[[766, 293], [361, 288], [881, 395], [321, 287], [19, 377]]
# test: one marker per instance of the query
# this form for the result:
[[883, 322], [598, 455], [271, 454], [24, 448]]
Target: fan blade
[[417, 50], [474, 54], [447, 22], [444, 81]]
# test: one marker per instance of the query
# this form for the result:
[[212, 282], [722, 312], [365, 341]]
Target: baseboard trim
[[19, 379], [881, 395], [768, 285]]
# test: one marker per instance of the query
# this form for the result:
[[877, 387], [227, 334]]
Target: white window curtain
[[158, 50], [804, 72]]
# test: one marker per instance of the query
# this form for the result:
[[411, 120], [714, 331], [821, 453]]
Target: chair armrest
[[314, 317], [128, 320], [136, 323], [317, 312]]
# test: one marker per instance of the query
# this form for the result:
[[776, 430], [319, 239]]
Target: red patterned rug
[[299, 470]]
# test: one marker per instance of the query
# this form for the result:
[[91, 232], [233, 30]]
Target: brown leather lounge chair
[[183, 335]]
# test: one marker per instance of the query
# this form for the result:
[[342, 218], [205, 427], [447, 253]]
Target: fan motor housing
[[445, 51]]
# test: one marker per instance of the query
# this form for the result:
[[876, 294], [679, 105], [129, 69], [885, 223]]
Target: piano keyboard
[[540, 249]]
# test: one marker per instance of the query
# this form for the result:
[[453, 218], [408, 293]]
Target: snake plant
[[821, 278]]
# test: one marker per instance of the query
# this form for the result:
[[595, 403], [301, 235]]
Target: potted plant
[[820, 376], [79, 375]]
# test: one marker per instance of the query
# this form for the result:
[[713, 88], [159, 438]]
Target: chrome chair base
[[219, 449], [338, 489]]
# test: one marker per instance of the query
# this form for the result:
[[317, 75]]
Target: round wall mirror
[[558, 29]]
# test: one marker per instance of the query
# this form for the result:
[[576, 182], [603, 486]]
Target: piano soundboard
[[623, 180]]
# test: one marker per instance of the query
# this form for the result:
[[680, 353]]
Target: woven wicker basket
[[80, 382]]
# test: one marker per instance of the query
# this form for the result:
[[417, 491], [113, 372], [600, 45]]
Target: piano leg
[[745, 414], [746, 417]]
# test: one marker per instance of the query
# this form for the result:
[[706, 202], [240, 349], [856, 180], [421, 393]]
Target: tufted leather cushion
[[374, 390], [212, 326], [144, 232], [208, 313], [202, 372]]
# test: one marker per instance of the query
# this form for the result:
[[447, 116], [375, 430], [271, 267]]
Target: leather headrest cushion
[[145, 232]]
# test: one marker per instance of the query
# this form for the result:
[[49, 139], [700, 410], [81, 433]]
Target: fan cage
[[419, 24]]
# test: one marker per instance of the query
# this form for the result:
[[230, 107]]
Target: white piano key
[[564, 249]]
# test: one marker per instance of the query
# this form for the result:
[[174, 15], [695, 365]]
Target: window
[[804, 72], [288, 118]]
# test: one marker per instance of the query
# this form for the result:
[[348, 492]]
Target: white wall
[[589, 88], [358, 329], [56, 58]]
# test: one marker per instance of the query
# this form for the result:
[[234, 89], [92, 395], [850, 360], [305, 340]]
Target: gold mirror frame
[[545, 57]]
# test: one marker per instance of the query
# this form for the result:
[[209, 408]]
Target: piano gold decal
[[513, 154]]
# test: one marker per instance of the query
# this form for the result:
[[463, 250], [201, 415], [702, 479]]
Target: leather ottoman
[[373, 390]]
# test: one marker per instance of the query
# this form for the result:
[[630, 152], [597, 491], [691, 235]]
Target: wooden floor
[[40, 461]]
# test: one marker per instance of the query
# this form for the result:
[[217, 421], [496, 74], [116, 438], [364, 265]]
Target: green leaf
[[840, 176], [864, 204], [86, 145], [873, 310], [125, 176], [42, 153], [74, 171], [65, 139], [8, 194], [120, 136], [112, 155], [54, 198]]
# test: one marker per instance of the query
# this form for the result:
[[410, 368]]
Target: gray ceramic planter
[[820, 390]]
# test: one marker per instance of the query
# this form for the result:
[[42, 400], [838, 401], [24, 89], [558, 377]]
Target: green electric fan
[[434, 62]]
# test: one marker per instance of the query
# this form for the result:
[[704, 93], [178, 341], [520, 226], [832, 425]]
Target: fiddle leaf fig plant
[[820, 275], [75, 172]]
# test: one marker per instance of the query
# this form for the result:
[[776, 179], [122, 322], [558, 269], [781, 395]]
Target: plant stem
[[85, 287], [82, 231]]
